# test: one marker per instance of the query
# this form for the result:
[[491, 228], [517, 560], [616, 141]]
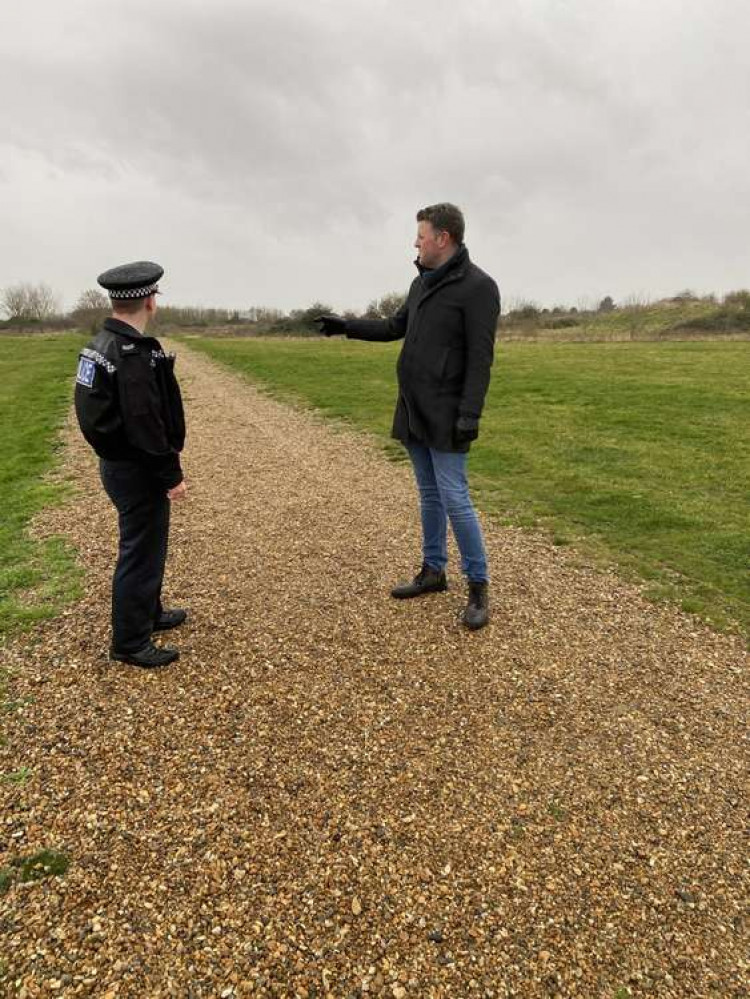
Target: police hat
[[138, 280]]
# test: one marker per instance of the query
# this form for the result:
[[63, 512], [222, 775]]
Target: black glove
[[332, 325], [466, 429]]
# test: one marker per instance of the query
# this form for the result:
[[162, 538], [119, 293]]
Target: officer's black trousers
[[143, 513]]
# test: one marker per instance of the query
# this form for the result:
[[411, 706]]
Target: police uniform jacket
[[128, 402], [448, 325]]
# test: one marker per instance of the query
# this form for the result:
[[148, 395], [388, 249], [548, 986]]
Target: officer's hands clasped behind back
[[332, 325]]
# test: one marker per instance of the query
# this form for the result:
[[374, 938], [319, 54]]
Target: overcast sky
[[274, 153]]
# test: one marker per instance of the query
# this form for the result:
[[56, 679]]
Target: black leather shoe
[[477, 612], [427, 580], [149, 657], [170, 619]]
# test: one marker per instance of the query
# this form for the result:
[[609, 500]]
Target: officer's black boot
[[427, 580], [477, 612], [167, 619], [149, 657]]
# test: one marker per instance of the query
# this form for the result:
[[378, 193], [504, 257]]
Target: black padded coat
[[128, 402], [448, 329]]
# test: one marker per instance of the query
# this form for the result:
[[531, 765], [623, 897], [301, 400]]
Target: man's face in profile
[[430, 244]]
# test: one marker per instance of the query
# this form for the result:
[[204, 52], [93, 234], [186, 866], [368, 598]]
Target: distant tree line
[[560, 316], [32, 305], [36, 305]]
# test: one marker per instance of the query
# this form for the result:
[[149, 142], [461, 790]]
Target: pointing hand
[[332, 325]]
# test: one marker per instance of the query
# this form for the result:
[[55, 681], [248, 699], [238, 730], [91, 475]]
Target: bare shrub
[[739, 298], [29, 302], [385, 307], [91, 300]]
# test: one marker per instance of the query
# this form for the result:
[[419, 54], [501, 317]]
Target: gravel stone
[[327, 773]]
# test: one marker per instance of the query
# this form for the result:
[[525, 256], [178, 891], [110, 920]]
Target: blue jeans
[[444, 495]]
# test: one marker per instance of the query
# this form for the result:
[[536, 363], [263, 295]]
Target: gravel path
[[338, 794]]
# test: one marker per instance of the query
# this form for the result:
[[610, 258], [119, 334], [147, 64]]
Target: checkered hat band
[[144, 292]]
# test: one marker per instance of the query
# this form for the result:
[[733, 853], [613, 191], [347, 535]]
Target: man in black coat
[[129, 409], [448, 325]]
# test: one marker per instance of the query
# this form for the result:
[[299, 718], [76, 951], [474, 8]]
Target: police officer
[[129, 409]]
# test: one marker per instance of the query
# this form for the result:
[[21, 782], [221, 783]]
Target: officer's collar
[[124, 329]]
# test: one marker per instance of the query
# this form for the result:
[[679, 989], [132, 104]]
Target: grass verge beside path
[[637, 453], [36, 383]]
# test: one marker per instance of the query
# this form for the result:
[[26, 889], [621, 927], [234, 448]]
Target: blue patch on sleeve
[[86, 370]]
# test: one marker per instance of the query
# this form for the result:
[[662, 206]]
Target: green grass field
[[637, 453], [36, 383]]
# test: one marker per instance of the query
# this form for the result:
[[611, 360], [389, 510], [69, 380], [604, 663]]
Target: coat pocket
[[453, 366], [433, 365]]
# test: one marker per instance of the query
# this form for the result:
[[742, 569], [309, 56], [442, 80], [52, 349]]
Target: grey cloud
[[563, 128]]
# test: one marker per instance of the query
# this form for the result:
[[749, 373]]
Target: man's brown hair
[[444, 217]]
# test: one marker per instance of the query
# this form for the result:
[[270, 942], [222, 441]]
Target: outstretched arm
[[380, 329], [367, 329]]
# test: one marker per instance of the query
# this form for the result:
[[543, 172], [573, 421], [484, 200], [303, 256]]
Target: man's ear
[[151, 304]]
